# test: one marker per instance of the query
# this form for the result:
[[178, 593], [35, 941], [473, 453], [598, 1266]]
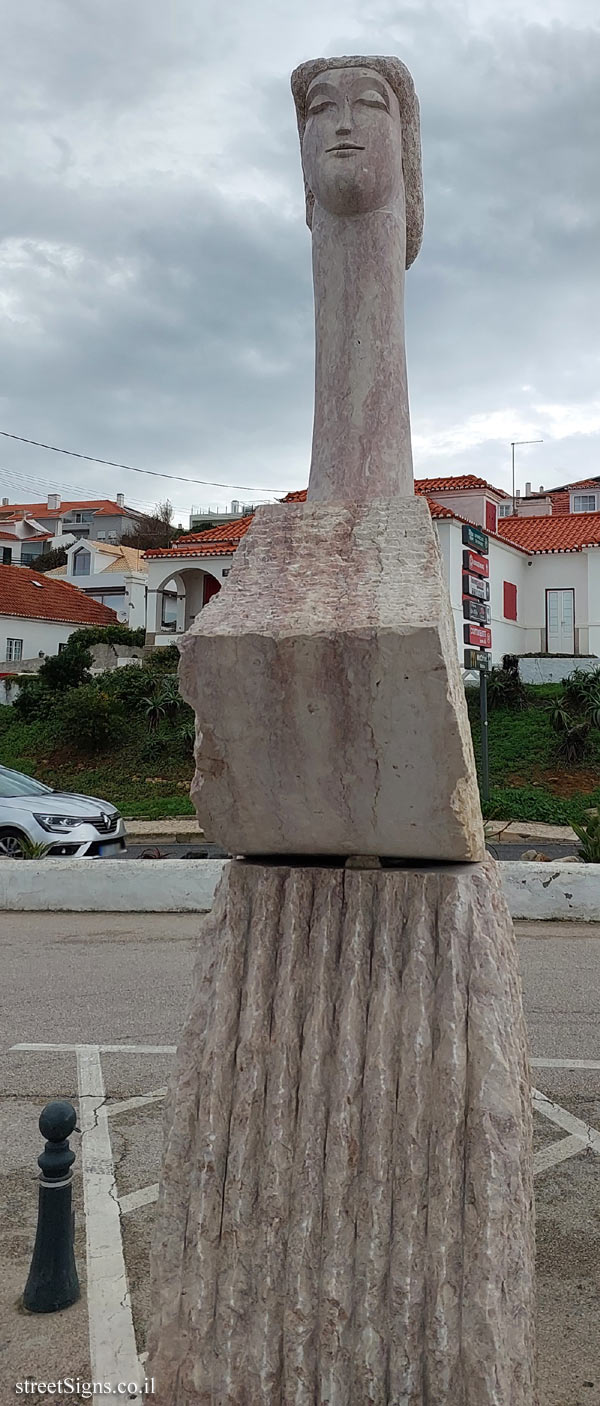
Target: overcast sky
[[155, 266]]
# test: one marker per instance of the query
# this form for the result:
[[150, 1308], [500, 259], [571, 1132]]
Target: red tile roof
[[449, 484], [223, 532], [458, 483], [33, 596], [581, 483], [219, 541], [104, 508], [561, 533]]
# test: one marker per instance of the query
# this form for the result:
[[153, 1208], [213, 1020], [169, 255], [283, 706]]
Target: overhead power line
[[131, 468], [15, 481]]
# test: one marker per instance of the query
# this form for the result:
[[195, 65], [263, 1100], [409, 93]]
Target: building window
[[14, 651], [505, 510], [81, 563], [510, 601], [62, 645], [585, 502], [6, 556]]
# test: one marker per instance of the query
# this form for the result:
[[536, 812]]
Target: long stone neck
[[361, 437]]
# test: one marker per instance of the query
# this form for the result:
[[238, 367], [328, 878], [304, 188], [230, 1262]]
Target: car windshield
[[13, 783]]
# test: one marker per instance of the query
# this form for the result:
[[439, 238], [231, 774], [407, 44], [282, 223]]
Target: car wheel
[[11, 845]]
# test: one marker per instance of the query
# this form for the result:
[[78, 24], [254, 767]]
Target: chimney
[[518, 493], [121, 500], [5, 502], [53, 502], [541, 488], [528, 490]]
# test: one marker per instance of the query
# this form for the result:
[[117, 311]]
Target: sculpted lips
[[344, 146]]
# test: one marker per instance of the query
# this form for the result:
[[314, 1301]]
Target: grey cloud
[[162, 320]]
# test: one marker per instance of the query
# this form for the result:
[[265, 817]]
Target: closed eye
[[319, 106], [373, 100]]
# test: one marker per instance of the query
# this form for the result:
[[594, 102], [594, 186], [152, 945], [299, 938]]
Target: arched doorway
[[211, 587]]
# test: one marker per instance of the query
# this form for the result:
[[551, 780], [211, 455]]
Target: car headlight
[[58, 824]]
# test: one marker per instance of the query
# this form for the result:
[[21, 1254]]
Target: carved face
[[352, 146]]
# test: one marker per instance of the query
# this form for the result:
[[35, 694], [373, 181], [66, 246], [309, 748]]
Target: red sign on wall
[[476, 564], [478, 636]]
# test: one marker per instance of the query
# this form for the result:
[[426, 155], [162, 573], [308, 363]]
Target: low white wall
[[546, 670], [558, 891], [552, 892], [108, 885]]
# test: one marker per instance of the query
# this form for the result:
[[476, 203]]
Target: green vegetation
[[589, 834], [544, 747], [127, 736]]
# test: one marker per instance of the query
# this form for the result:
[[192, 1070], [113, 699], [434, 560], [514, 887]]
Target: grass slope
[[526, 780], [147, 774]]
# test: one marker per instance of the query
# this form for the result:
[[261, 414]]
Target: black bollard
[[53, 1282]]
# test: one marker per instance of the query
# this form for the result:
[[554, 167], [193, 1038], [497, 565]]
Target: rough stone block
[[346, 1210], [325, 678]]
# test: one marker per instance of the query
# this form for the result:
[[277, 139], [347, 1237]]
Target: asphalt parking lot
[[95, 1003]]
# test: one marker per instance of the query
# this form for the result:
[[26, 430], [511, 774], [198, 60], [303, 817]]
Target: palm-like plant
[[588, 834]]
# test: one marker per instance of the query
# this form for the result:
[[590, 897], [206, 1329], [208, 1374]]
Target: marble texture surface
[[346, 1206], [325, 678]]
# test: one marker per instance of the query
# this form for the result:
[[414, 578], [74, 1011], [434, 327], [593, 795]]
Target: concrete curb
[[549, 892], [109, 886], [553, 891]]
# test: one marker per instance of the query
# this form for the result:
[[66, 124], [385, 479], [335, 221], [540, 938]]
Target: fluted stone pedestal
[[346, 1206]]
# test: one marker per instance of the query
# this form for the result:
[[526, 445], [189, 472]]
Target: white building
[[37, 616], [544, 568], [100, 518], [111, 575]]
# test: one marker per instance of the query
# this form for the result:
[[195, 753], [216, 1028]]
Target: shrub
[[573, 742], [164, 661], [128, 685], [34, 701], [504, 686], [88, 718], [66, 670], [582, 687], [6, 717], [588, 832], [106, 634], [164, 702]]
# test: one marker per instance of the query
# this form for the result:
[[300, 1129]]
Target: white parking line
[[587, 1135], [557, 1152], [565, 1063], [112, 1339], [123, 1105], [134, 1199], [105, 1049]]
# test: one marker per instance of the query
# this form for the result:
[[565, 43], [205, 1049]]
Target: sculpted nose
[[344, 125]]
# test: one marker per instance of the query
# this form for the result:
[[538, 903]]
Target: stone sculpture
[[345, 1213], [347, 587], [359, 137]]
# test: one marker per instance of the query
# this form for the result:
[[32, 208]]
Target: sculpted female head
[[358, 120]]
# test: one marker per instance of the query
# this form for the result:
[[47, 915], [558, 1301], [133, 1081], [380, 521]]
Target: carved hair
[[401, 83]]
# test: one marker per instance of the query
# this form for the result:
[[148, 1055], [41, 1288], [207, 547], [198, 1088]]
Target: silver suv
[[79, 827]]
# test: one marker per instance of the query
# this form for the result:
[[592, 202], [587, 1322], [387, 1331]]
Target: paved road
[[114, 980], [551, 849], [499, 851]]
